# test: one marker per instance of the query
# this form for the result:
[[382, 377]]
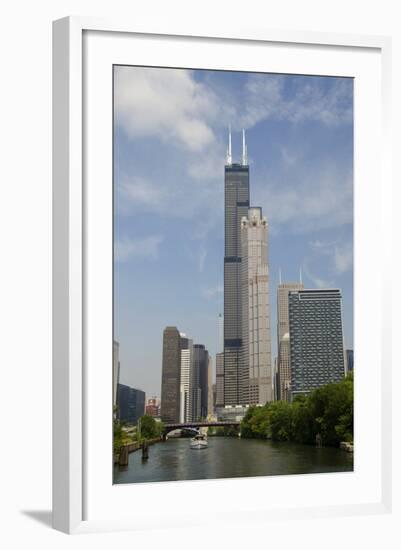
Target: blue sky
[[170, 143]]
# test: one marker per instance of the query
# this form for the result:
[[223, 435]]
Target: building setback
[[171, 375], [131, 403], [316, 339], [236, 203], [283, 339], [255, 375]]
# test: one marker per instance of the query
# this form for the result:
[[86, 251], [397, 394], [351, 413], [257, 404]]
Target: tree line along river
[[230, 457]]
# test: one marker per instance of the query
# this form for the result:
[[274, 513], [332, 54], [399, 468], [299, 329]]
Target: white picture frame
[[73, 436]]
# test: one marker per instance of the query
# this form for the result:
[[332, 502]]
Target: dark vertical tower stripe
[[236, 202]]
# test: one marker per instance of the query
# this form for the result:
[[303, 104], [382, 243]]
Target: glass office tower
[[316, 339]]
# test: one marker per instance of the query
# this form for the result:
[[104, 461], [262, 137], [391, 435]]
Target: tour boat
[[199, 442]]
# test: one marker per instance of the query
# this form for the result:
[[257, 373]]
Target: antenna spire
[[244, 149], [279, 275], [229, 154], [300, 275]]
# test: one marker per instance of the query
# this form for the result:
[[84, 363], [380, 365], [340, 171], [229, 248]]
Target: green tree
[[117, 435], [328, 411], [302, 421], [280, 419], [150, 429], [223, 431], [256, 423], [332, 411]]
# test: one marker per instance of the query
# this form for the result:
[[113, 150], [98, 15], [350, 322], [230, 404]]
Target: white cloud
[[146, 247], [340, 253], [212, 291], [343, 258], [170, 105], [318, 282], [166, 103], [141, 191], [266, 98], [322, 246], [208, 166], [289, 157], [330, 259], [310, 200], [202, 259], [261, 100]]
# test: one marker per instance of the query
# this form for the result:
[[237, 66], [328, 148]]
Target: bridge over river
[[200, 424]]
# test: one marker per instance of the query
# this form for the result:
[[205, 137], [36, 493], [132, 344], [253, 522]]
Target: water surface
[[173, 460]]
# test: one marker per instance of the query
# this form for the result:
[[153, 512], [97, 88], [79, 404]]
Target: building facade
[[255, 384], [349, 360], [210, 398], [284, 375], [219, 380], [152, 407], [236, 203], [276, 381], [283, 339], [116, 370], [131, 403], [214, 398], [316, 339], [171, 375]]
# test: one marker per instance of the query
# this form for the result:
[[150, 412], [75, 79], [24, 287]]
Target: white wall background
[[25, 218]]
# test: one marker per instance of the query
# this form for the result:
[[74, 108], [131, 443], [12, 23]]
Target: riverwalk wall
[[125, 450]]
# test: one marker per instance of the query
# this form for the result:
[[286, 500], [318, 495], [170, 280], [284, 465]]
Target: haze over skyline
[[170, 145]]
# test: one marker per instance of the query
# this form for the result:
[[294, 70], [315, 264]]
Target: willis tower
[[236, 204]]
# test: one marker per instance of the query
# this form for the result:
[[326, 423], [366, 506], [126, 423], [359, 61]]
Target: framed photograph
[[218, 215]]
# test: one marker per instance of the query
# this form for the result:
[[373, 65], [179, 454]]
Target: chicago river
[[229, 457]]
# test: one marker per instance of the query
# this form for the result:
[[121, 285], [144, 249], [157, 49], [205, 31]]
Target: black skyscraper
[[200, 380], [236, 204], [171, 373]]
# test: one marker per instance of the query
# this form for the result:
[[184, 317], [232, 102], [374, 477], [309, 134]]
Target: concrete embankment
[[346, 446], [122, 457]]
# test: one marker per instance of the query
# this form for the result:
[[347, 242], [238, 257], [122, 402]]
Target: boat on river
[[199, 442]]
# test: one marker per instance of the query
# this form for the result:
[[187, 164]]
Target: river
[[173, 460]]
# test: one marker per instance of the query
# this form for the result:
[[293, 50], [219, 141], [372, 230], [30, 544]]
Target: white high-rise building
[[186, 379], [283, 338], [256, 384]]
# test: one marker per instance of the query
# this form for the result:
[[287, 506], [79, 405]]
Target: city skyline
[[170, 234]]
